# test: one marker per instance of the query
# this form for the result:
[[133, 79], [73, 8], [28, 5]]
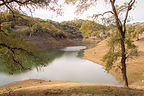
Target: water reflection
[[49, 56], [66, 66]]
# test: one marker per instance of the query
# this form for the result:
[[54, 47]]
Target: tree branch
[[130, 4], [16, 61], [9, 8], [10, 1], [96, 15], [12, 49], [117, 66], [26, 1], [3, 3], [118, 22], [15, 48]]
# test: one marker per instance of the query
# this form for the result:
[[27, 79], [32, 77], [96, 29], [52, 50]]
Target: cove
[[67, 66]]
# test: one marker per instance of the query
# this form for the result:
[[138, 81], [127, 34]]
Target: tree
[[120, 32], [139, 29], [14, 51], [91, 28]]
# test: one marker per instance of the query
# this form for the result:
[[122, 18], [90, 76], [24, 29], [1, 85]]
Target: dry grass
[[135, 66], [64, 88]]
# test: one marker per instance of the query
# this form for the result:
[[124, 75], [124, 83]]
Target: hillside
[[45, 33], [135, 66], [35, 87]]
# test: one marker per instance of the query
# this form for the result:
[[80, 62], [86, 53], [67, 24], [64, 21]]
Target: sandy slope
[[135, 66]]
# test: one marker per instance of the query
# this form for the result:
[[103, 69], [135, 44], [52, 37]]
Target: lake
[[65, 66]]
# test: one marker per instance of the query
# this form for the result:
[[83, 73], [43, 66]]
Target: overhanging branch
[[15, 48], [10, 1], [13, 54], [97, 15]]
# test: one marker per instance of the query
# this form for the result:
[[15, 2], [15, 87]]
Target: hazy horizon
[[69, 12]]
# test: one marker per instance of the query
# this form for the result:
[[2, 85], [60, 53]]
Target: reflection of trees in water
[[81, 53], [46, 56], [53, 54]]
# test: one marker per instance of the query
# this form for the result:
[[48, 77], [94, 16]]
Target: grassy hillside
[[135, 66], [43, 33]]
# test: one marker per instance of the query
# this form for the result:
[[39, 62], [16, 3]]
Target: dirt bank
[[35, 87], [46, 41], [135, 66]]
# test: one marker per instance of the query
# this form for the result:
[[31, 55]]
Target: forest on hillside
[[23, 32], [28, 26], [104, 47]]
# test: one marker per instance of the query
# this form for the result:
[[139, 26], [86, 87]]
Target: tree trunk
[[123, 60], [0, 26], [123, 51]]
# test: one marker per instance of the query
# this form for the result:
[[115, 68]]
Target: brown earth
[[34, 87], [135, 66], [46, 41]]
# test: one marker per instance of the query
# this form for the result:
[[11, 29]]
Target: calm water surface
[[66, 67]]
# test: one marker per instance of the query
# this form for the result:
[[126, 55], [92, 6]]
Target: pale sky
[[137, 14]]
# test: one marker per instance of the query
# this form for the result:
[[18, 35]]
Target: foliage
[[119, 20], [135, 30], [72, 28], [91, 28], [15, 52], [113, 56], [17, 55], [81, 53], [6, 26], [19, 4]]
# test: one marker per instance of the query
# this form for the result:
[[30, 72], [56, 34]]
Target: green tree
[[120, 32], [91, 28], [14, 51], [135, 31], [72, 28], [139, 29]]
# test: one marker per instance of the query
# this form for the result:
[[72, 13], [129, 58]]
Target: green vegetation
[[17, 54], [93, 29], [72, 28], [113, 55], [120, 42], [135, 31], [16, 30], [81, 53]]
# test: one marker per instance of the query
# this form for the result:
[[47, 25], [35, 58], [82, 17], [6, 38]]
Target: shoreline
[[135, 76], [33, 87]]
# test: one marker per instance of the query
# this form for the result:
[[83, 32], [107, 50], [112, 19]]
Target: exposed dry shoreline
[[135, 67], [35, 87]]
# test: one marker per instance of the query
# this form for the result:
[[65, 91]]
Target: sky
[[136, 15]]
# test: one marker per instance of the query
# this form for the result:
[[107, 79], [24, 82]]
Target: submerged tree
[[121, 47], [15, 52]]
